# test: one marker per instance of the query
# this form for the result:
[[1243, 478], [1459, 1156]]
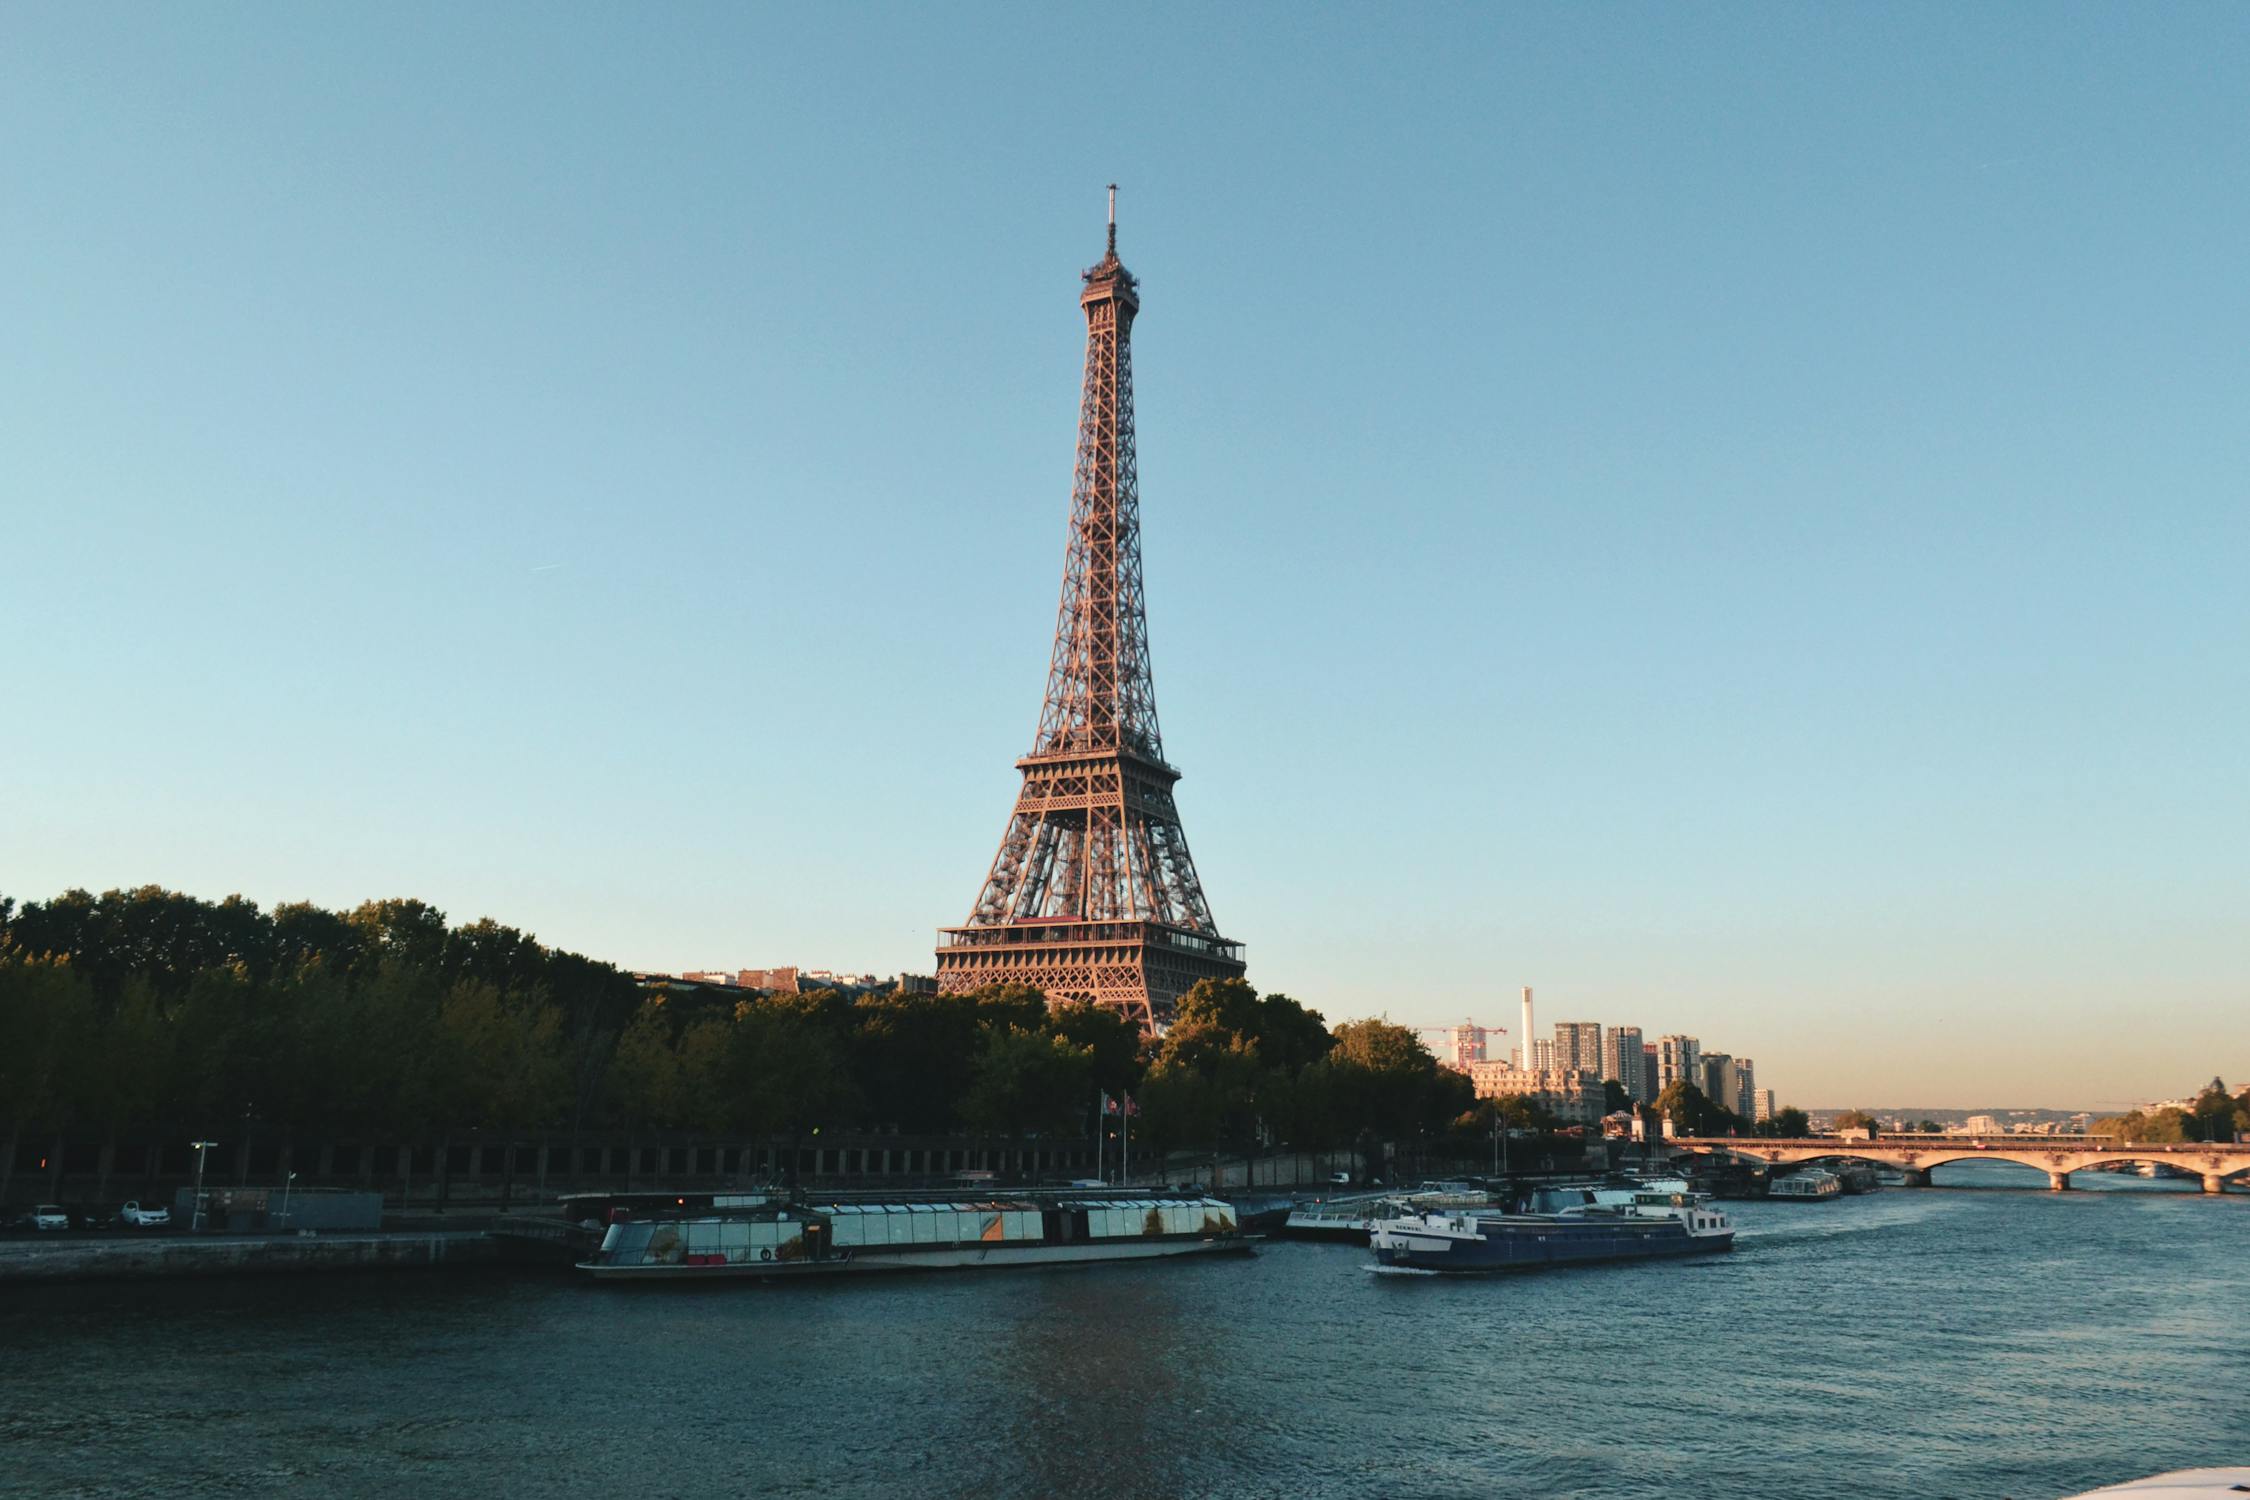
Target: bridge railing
[[1917, 1140]]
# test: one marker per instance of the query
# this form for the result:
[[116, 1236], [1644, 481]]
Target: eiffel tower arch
[[1093, 895]]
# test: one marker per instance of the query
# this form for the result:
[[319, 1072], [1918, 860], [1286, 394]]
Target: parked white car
[[133, 1216], [48, 1216]]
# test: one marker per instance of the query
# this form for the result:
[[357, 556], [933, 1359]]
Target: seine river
[[1908, 1345]]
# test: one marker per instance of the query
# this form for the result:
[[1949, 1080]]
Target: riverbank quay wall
[[484, 1171], [473, 1168], [114, 1258], [2215, 1162]]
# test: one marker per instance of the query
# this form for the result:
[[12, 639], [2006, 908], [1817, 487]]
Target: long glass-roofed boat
[[767, 1237]]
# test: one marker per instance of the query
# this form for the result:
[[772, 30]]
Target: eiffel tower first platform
[[1093, 895]]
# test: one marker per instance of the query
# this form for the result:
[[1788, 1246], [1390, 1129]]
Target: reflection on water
[[1908, 1344]]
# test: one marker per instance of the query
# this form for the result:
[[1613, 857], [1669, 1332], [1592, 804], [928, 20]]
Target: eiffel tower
[[1093, 895]]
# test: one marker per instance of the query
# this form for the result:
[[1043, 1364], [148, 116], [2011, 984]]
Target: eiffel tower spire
[[1093, 895]]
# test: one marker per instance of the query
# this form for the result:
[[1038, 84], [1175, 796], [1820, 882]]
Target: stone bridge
[[1915, 1154]]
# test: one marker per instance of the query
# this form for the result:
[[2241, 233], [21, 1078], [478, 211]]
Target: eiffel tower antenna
[[1092, 895]]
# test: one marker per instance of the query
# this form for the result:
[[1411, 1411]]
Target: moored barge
[[764, 1238]]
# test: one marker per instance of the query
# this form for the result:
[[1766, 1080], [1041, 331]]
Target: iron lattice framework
[[1093, 895]]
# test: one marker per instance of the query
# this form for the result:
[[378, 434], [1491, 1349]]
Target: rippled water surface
[[1910, 1344]]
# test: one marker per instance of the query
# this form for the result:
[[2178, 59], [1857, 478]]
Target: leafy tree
[[1223, 1076], [1112, 1044], [45, 1012], [791, 1070], [352, 1076], [644, 1075], [1857, 1119], [1027, 1081], [1392, 1085], [403, 930], [2165, 1127], [1226, 1012], [706, 1081], [2213, 1115], [1520, 1113], [1692, 1112], [914, 1054], [129, 1067], [1614, 1097], [507, 1068], [1205, 1093], [1788, 1123]]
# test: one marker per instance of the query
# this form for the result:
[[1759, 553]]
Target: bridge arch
[[1923, 1161], [2188, 1166], [2217, 1163], [2036, 1161]]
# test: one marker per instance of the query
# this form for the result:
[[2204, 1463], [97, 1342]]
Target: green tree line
[[1693, 1112], [146, 1012], [2215, 1116]]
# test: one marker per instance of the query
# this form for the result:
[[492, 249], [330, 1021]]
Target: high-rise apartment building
[[1543, 1055], [1622, 1060], [1711, 1077], [1578, 1044], [1730, 1082], [1762, 1107], [1468, 1045], [1679, 1059], [1742, 1085]]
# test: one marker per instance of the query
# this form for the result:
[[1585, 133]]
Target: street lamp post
[[285, 1190], [202, 1148]]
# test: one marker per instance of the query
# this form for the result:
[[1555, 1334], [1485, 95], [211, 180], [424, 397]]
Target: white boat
[[1354, 1217], [1809, 1183], [1338, 1218], [2181, 1484], [1625, 1195]]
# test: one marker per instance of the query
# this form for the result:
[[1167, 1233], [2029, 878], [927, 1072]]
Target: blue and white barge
[[1654, 1225]]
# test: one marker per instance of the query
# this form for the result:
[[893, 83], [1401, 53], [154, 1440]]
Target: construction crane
[[1448, 1032]]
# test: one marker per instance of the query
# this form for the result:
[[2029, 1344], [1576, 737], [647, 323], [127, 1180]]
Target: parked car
[[133, 1216], [48, 1216]]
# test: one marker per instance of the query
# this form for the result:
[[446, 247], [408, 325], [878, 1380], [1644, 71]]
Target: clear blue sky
[[1732, 515]]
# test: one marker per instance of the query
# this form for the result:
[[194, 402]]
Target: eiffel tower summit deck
[[1092, 895]]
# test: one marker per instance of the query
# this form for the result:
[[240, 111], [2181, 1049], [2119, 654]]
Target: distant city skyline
[[1733, 518]]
